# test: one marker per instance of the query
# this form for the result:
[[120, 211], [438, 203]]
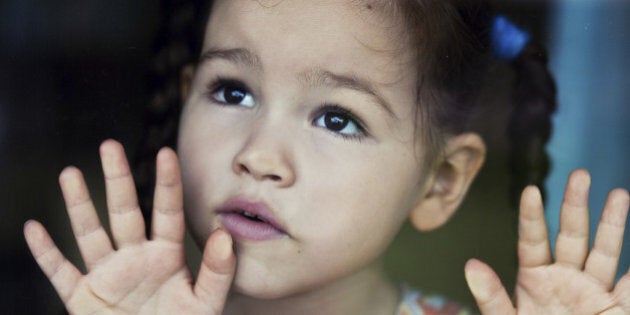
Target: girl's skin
[[258, 126]]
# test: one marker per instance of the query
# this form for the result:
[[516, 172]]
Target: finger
[[533, 241], [614, 311], [125, 217], [487, 289], [62, 274], [168, 215], [572, 241], [92, 238], [216, 271], [604, 257], [621, 292]]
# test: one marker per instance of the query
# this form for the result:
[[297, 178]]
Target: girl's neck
[[366, 292]]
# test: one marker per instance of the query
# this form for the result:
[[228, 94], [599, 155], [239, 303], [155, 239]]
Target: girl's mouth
[[252, 217], [250, 221]]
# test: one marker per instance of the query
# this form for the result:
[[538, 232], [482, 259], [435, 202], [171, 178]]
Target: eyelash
[[336, 109], [221, 83]]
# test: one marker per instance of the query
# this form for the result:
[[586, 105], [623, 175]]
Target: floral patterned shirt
[[417, 303]]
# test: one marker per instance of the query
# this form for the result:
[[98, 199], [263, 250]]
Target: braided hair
[[454, 43], [177, 44], [530, 126], [460, 49]]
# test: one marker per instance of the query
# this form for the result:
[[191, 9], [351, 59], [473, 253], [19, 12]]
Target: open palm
[[138, 275], [579, 281]]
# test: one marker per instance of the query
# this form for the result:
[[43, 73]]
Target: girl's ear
[[463, 157], [186, 77]]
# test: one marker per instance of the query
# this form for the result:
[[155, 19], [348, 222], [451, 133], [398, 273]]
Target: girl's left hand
[[579, 281]]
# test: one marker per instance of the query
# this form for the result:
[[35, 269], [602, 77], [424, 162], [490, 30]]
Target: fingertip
[[577, 189], [580, 176], [29, 228], [473, 272], [218, 253], [109, 144], [167, 167], [217, 270], [471, 263], [486, 287], [29, 222], [68, 172], [71, 182], [620, 194], [166, 154], [619, 199], [473, 266], [482, 280], [166, 150], [221, 244], [531, 190], [36, 237], [110, 149], [531, 196]]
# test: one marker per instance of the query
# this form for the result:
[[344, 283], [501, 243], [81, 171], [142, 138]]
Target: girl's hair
[[455, 58], [177, 44], [454, 42]]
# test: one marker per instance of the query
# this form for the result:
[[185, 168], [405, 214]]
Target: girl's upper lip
[[253, 208]]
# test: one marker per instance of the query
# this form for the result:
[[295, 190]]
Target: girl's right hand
[[134, 275]]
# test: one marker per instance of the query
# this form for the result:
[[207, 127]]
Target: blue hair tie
[[507, 39]]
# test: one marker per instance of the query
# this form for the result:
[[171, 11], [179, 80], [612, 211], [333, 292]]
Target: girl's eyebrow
[[321, 77], [237, 55]]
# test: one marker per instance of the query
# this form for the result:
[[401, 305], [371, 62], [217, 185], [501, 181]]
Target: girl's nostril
[[244, 168]]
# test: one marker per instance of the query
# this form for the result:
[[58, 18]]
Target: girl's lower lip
[[241, 227]]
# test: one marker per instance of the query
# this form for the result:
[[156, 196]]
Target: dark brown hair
[[455, 51]]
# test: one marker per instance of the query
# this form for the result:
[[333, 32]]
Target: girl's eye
[[233, 94], [340, 121]]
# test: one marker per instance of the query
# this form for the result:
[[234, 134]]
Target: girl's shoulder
[[415, 302]]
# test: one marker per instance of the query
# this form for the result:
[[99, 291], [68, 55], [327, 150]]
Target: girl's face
[[298, 137]]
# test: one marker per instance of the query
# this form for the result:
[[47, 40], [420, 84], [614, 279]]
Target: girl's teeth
[[251, 216]]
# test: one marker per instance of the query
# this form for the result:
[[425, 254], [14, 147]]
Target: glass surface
[[73, 73]]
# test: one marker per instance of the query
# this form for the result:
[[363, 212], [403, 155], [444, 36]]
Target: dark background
[[73, 73]]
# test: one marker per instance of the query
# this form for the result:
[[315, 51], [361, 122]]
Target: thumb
[[216, 271], [487, 289]]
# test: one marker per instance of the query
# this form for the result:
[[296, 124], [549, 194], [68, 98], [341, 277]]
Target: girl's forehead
[[355, 32], [373, 22]]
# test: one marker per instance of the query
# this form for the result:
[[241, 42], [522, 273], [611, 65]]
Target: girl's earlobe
[[462, 159], [186, 77]]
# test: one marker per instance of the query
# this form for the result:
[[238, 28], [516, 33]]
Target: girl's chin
[[252, 285], [258, 291]]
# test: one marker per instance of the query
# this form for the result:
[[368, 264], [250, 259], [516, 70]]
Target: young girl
[[311, 131]]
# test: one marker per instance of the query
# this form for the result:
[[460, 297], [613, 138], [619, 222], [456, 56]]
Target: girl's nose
[[263, 159]]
